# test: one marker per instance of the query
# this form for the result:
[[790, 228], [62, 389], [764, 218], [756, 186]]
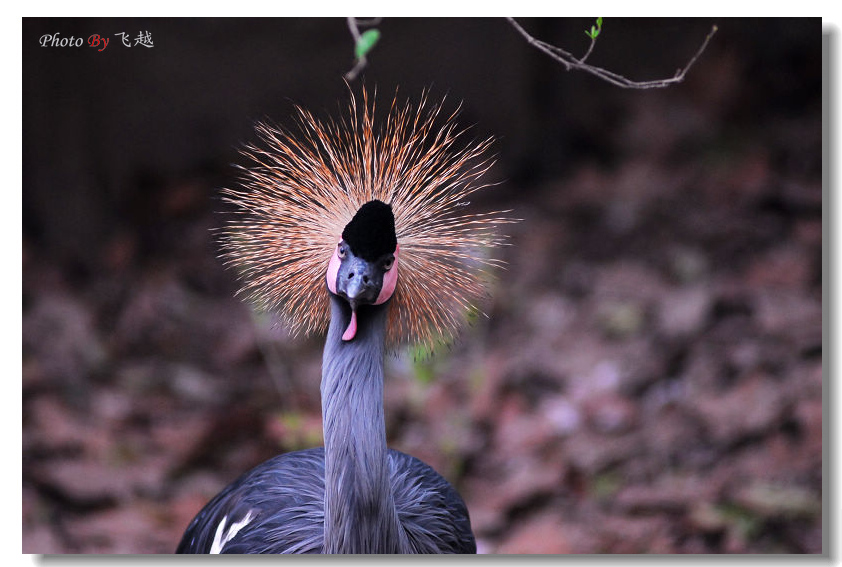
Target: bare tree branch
[[564, 57], [572, 63], [588, 52]]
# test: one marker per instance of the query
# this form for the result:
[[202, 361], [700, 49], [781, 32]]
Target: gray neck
[[360, 515]]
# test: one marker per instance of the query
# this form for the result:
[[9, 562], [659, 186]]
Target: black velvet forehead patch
[[371, 233]]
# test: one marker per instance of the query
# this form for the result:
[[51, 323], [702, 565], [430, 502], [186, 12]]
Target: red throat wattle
[[351, 331]]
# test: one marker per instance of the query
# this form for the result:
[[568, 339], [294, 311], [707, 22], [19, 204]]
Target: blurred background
[[649, 376]]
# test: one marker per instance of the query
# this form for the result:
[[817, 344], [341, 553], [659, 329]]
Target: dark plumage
[[292, 489]]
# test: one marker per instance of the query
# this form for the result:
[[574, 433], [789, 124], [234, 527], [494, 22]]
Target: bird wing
[[432, 513], [277, 507]]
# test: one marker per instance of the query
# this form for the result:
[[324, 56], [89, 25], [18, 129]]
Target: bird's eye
[[387, 265], [340, 251]]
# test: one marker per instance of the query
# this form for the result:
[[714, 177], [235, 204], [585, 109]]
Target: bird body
[[328, 220], [283, 499]]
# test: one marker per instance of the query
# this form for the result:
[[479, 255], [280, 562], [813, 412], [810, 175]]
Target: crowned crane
[[328, 219]]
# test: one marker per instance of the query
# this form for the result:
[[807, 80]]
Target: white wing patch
[[223, 536]]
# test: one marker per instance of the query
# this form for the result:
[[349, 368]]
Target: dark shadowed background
[[649, 376]]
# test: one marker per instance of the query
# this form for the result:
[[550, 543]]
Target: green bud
[[366, 42]]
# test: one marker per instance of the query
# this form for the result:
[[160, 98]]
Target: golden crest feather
[[301, 190]]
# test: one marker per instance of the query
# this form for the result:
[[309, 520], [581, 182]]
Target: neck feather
[[360, 515]]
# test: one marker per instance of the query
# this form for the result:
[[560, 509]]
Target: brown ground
[[649, 378]]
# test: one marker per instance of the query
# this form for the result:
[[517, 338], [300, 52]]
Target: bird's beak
[[354, 290]]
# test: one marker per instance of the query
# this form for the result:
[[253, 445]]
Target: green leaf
[[595, 29], [366, 42]]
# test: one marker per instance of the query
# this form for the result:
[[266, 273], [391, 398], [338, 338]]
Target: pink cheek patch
[[332, 270], [390, 281]]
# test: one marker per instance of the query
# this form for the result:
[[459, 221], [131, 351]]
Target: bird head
[[364, 267], [345, 200]]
